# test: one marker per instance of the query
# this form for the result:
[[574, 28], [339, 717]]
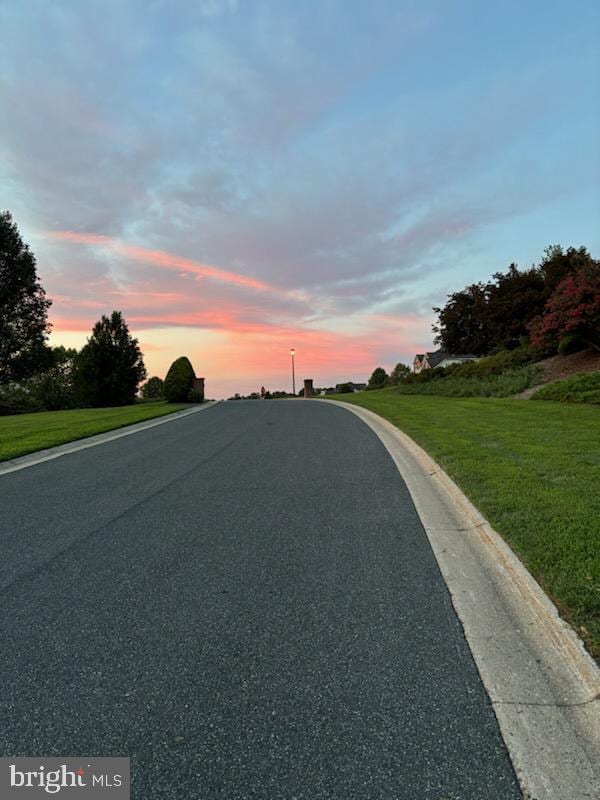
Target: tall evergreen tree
[[23, 308], [110, 366]]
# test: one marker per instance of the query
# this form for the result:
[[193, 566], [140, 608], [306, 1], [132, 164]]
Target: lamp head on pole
[[293, 352]]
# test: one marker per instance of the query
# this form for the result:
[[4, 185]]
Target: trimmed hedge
[[179, 381]]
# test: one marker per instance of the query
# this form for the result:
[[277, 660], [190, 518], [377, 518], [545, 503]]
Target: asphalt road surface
[[245, 603]]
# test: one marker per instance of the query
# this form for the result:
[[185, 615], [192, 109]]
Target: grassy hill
[[509, 373]]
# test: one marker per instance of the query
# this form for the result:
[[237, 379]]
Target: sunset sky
[[240, 177]]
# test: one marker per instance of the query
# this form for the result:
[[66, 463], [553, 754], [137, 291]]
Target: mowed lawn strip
[[25, 433], [533, 469]]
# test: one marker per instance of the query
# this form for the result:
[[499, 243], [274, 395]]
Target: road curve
[[245, 603]]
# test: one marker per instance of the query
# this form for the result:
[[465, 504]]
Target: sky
[[240, 177]]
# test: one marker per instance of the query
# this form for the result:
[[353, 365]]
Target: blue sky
[[242, 176]]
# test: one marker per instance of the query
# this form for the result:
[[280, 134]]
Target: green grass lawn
[[26, 433], [533, 469]]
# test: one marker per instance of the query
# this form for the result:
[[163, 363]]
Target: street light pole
[[293, 353]]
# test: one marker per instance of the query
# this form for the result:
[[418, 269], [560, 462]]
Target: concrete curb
[[543, 685], [29, 460]]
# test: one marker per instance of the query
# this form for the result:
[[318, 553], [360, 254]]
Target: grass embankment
[[578, 389], [26, 433], [505, 384], [503, 374], [533, 469]]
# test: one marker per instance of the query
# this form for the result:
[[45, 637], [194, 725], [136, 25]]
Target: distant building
[[349, 386], [438, 358]]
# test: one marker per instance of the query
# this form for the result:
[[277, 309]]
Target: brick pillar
[[198, 386], [308, 387]]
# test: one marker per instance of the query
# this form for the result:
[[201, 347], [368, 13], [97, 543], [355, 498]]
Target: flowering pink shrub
[[573, 308]]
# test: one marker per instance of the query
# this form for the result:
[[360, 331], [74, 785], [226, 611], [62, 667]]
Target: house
[[349, 386], [438, 358]]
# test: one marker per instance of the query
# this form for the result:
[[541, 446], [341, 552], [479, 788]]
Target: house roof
[[437, 356]]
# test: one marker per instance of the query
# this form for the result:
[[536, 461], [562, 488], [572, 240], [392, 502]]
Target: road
[[245, 603]]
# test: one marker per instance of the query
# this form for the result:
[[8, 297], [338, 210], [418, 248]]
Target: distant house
[[349, 386], [438, 358]]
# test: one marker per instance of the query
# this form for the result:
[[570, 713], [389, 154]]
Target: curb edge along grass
[[39, 456], [543, 685]]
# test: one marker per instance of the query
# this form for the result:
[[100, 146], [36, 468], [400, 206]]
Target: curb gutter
[[543, 685], [29, 460]]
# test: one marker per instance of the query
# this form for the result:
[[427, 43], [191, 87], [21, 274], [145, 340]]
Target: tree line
[[108, 369], [554, 306], [522, 314]]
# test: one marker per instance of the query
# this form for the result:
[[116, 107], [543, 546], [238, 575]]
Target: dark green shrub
[[153, 388], [426, 375], [52, 390], [179, 381], [17, 398], [196, 396], [570, 343], [584, 388]]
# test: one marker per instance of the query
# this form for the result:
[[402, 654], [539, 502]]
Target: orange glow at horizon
[[238, 343]]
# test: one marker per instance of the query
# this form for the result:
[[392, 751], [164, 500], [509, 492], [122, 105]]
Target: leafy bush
[[195, 396], [153, 388], [571, 343], [509, 382], [573, 309], [583, 388], [426, 375], [399, 374], [17, 398], [378, 379], [179, 381], [493, 365], [52, 390]]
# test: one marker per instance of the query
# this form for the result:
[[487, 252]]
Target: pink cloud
[[161, 258]]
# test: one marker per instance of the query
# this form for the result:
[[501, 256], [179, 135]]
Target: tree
[[153, 388], [462, 326], [179, 380], [24, 307], [558, 265], [110, 366], [572, 310], [378, 379], [514, 298], [398, 374], [53, 389]]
